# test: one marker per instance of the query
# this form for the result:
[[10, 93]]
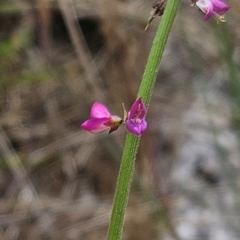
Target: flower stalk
[[132, 142]]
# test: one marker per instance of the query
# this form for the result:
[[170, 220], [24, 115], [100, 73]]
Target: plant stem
[[131, 145], [158, 46]]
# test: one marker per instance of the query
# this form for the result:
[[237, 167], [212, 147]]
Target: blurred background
[[57, 57]]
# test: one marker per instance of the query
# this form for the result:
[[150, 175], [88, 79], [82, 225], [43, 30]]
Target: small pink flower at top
[[101, 120], [135, 122], [212, 8]]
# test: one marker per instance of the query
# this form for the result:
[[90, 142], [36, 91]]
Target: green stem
[[131, 145], [155, 56]]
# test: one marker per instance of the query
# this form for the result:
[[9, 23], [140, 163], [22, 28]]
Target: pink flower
[[212, 7], [135, 122], [101, 120]]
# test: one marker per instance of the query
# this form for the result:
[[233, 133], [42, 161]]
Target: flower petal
[[95, 125], [206, 7], [210, 7], [209, 12], [136, 128], [219, 7], [98, 110], [138, 109]]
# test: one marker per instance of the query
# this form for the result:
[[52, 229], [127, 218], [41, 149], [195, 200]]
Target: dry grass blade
[[15, 165], [82, 51]]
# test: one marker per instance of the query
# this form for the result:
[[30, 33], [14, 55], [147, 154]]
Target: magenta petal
[[206, 7], [209, 12], [98, 110], [208, 15], [219, 7], [138, 109], [136, 123], [95, 125], [210, 7], [136, 128]]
